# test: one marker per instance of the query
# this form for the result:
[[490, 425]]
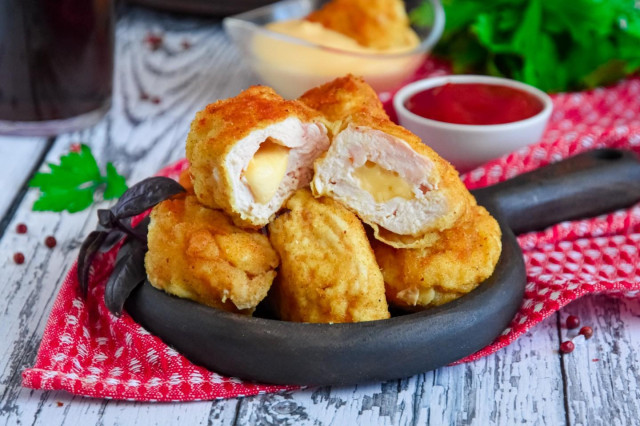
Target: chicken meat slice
[[394, 183]]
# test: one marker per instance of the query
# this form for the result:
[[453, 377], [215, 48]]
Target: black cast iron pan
[[273, 351]]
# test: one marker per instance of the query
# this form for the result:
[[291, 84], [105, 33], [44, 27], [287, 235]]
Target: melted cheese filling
[[381, 183], [266, 170]]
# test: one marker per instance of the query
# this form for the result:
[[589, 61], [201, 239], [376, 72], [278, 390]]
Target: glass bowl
[[291, 65]]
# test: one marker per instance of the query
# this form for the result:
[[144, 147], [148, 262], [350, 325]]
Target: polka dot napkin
[[87, 351]]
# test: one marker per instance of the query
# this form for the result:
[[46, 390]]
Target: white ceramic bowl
[[468, 146]]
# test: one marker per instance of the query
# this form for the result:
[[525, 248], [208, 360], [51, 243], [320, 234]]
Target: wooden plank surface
[[18, 157], [603, 374], [157, 92]]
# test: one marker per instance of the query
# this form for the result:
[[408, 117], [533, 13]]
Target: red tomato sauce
[[474, 103]]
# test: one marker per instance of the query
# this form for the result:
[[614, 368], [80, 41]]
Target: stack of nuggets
[[253, 156]]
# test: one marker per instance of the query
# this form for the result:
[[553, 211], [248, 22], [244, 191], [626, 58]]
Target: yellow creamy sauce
[[318, 34], [292, 68]]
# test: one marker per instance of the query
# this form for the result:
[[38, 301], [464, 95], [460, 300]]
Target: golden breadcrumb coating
[[216, 130], [197, 253], [380, 24], [186, 181], [328, 272], [463, 257], [339, 99]]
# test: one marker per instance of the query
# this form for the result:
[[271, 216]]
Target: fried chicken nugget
[[248, 154], [197, 253], [380, 24], [383, 172], [463, 257], [400, 187], [341, 98], [328, 272]]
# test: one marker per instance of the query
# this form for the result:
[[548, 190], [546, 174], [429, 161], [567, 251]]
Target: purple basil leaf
[[106, 219], [140, 231], [113, 237], [129, 270], [144, 195], [128, 273], [121, 228], [88, 251]]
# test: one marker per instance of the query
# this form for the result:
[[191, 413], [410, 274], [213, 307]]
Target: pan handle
[[586, 185]]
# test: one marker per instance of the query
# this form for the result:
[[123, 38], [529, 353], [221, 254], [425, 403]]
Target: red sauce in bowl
[[474, 103]]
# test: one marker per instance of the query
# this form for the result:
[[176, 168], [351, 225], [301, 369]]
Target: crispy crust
[[463, 257], [328, 271], [216, 129], [197, 253], [186, 181], [343, 97], [380, 24]]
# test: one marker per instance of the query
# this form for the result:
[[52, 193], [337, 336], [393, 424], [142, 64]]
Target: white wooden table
[[528, 382]]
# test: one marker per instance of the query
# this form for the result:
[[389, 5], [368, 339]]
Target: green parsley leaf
[[116, 184], [554, 45], [71, 185]]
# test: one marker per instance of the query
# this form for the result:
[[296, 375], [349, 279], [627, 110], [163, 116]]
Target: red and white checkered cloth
[[87, 351]]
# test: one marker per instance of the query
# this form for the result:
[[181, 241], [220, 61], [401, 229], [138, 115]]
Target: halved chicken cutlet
[[248, 154], [385, 174]]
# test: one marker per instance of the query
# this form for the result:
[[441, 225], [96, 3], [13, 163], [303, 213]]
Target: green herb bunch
[[72, 184], [556, 45]]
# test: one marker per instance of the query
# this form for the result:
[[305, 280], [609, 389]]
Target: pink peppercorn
[[573, 321], [50, 241], [567, 347], [587, 332], [18, 258]]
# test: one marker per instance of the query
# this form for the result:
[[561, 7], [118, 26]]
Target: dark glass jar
[[56, 64]]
